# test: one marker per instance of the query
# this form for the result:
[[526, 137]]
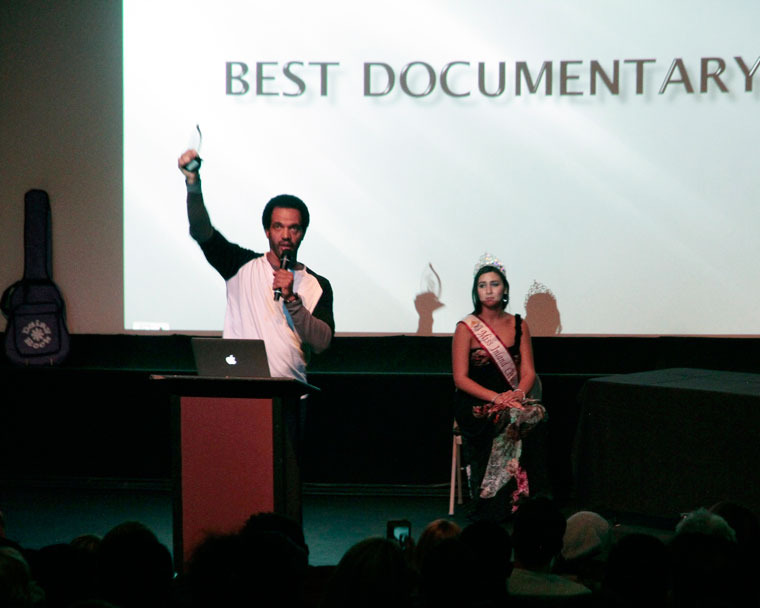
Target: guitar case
[[36, 333]]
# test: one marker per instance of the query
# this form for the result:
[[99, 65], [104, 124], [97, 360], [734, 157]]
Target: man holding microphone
[[270, 296]]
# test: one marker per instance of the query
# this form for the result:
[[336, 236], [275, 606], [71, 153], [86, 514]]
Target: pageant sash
[[494, 347]]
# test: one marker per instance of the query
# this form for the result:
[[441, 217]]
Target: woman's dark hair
[[432, 535], [475, 300], [374, 573], [285, 201]]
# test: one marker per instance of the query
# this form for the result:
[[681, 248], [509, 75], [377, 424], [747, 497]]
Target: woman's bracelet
[[522, 391]]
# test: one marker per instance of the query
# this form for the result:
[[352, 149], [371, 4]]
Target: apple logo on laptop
[[230, 359]]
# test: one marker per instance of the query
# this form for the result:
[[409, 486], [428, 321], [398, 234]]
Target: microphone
[[285, 260]]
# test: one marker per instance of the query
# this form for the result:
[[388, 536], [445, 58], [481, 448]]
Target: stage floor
[[40, 514], [37, 515]]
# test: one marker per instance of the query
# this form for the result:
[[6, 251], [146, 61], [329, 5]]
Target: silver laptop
[[218, 357]]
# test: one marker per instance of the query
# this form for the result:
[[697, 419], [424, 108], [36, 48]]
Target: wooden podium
[[232, 453]]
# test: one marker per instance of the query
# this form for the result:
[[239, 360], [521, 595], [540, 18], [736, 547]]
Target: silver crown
[[489, 260]]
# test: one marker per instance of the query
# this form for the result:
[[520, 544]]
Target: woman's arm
[[460, 365], [527, 370]]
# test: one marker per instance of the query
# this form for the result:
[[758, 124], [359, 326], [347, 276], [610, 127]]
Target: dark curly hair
[[286, 201]]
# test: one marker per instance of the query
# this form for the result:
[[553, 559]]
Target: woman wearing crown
[[497, 397]]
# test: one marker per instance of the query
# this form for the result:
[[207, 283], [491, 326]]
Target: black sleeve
[[197, 215], [324, 308], [225, 257]]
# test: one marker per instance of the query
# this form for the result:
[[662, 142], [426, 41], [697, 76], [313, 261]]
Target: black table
[[664, 442]]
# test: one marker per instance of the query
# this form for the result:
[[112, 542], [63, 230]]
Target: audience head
[[17, 588], [702, 521], [275, 522], [638, 573], [745, 524], [66, 573], [372, 573], [588, 535], [4, 540], [134, 568], [259, 568], [213, 573], [492, 549], [709, 566], [538, 530], [432, 535], [708, 571], [450, 576], [87, 542]]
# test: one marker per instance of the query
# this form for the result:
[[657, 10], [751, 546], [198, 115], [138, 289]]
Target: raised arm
[[225, 257], [197, 215]]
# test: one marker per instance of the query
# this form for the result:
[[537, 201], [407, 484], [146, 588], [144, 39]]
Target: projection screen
[[604, 151]]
